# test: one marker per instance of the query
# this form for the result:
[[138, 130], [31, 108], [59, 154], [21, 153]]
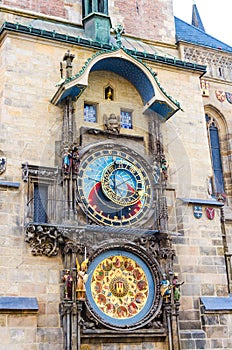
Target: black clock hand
[[121, 183], [91, 178]]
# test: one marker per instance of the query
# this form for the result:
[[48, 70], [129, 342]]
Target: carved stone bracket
[[48, 240], [36, 171]]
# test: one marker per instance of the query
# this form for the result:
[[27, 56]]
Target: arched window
[[213, 135]]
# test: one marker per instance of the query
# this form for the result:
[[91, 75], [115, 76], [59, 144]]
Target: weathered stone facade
[[42, 115]]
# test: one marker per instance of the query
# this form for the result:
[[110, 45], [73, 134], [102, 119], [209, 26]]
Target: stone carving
[[163, 208], [119, 30], [43, 240], [167, 253], [68, 282], [49, 240], [164, 168], [151, 243], [210, 59], [112, 123], [68, 57], [2, 162], [38, 172], [156, 172]]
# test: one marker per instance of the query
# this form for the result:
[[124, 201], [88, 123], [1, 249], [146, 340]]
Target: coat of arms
[[210, 213], [229, 97], [204, 87], [197, 211], [221, 96]]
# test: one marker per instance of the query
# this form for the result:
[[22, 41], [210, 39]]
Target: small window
[[90, 113], [40, 203], [126, 119], [220, 72]]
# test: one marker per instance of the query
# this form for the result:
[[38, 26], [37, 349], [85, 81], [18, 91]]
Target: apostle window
[[90, 112], [126, 119]]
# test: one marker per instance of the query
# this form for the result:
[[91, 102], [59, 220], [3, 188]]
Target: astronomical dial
[[114, 187], [122, 183]]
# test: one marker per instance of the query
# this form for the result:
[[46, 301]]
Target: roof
[[191, 34], [121, 62], [76, 36], [196, 19]]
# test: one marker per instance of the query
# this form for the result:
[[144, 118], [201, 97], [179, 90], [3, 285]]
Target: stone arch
[[141, 77], [216, 113], [225, 145]]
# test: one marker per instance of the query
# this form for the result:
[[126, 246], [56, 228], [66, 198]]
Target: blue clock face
[[114, 187]]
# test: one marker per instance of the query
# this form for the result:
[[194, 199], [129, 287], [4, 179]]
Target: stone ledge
[[211, 304], [212, 202], [20, 304], [9, 184]]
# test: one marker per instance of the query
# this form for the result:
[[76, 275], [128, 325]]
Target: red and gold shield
[[221, 96]]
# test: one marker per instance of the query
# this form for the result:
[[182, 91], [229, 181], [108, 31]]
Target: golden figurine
[[82, 278], [109, 94]]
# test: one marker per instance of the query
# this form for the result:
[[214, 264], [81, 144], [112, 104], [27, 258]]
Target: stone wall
[[31, 125], [145, 19]]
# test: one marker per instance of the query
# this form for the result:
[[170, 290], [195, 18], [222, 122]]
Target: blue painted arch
[[129, 71]]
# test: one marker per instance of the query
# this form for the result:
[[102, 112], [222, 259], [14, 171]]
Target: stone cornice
[[77, 40]]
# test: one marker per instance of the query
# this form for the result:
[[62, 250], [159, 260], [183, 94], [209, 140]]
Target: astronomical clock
[[115, 186], [115, 190], [108, 213]]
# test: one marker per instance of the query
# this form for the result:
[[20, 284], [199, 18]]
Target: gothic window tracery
[[216, 159], [218, 66]]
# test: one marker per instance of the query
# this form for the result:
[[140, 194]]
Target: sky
[[216, 16]]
